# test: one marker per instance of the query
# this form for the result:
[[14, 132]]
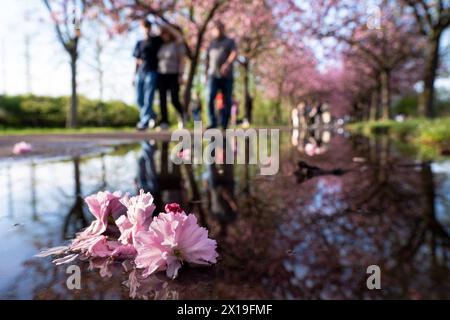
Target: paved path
[[78, 143], [73, 144]]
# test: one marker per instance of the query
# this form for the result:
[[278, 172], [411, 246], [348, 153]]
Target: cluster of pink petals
[[124, 229], [173, 238], [138, 217], [22, 148]]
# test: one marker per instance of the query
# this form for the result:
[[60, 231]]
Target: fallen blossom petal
[[67, 259], [22, 148], [52, 251]]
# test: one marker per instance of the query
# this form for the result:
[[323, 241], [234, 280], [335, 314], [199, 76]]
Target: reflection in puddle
[[309, 232]]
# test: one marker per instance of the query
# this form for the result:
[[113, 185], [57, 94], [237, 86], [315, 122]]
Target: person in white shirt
[[171, 57]]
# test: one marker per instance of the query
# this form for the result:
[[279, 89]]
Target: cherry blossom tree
[[386, 51], [433, 19], [288, 74], [383, 37]]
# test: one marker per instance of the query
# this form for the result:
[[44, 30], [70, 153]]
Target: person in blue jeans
[[146, 54], [220, 56]]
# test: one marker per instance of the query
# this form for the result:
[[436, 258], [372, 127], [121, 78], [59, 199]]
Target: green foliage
[[407, 105], [443, 107], [40, 111], [265, 112], [428, 137], [437, 131]]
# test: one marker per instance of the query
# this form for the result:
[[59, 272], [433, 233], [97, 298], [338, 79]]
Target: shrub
[[41, 111]]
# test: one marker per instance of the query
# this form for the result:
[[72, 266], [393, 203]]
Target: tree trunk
[[426, 106], [190, 81], [277, 109], [373, 105], [248, 111], [72, 114], [385, 94]]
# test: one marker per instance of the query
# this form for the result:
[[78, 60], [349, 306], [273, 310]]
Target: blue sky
[[50, 74]]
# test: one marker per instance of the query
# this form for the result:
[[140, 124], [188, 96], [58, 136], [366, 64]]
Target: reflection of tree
[[10, 192], [427, 229], [195, 202], [33, 191], [103, 178], [75, 219], [388, 218]]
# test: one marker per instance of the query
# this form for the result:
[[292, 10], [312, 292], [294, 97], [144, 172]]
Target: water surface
[[309, 232]]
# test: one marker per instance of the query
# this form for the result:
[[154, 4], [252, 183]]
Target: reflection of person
[[219, 181], [165, 185], [170, 73], [146, 176], [146, 52], [219, 71]]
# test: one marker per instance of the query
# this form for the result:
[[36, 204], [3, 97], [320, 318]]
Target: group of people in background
[[307, 114], [160, 62]]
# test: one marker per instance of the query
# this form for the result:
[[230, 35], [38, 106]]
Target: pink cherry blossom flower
[[22, 148], [163, 243], [173, 208], [173, 238], [94, 246], [100, 246], [138, 218], [103, 205], [124, 251]]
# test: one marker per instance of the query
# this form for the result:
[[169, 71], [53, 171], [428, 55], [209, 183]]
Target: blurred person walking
[[170, 74], [146, 75], [220, 56]]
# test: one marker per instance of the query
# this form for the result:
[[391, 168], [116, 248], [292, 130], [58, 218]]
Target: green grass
[[430, 138], [33, 131]]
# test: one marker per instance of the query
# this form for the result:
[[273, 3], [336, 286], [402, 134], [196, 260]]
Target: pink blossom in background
[[184, 154], [174, 238], [310, 149], [22, 148]]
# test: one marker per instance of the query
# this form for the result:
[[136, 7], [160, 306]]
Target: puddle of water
[[308, 232]]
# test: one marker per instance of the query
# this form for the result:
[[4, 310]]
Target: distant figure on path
[[220, 56], [295, 117], [170, 75], [146, 54]]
